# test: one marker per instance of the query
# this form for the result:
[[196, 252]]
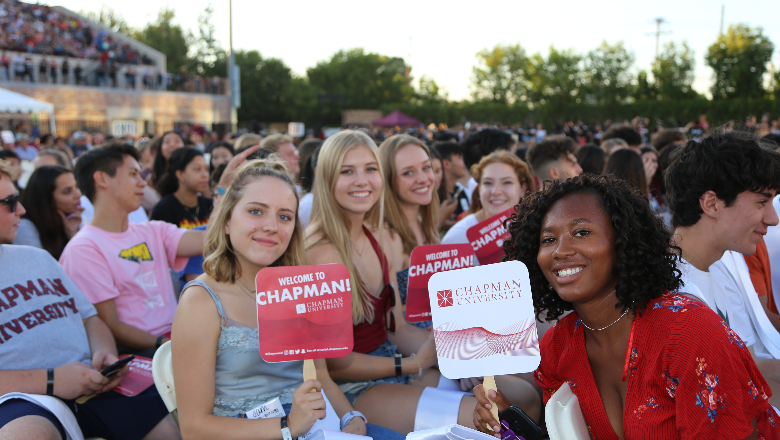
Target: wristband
[[159, 341], [221, 191], [419, 366], [349, 416], [286, 434], [398, 371], [50, 382]]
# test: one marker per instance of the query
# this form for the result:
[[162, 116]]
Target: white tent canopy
[[12, 102]]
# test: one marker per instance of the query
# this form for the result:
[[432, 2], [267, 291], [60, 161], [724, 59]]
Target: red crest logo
[[444, 297]]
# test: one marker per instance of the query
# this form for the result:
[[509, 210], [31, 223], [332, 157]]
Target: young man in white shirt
[[720, 192]]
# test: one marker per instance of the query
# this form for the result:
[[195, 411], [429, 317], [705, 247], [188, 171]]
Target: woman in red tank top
[[346, 228]]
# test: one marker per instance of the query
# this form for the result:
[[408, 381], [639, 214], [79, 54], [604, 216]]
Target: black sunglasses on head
[[11, 201]]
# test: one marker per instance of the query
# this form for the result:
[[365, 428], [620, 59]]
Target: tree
[[776, 84], [110, 19], [168, 38], [674, 72], [500, 74], [645, 89], [739, 58], [264, 87], [556, 80], [429, 92], [353, 79], [607, 73], [207, 57]]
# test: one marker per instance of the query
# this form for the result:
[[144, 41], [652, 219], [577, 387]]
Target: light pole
[[233, 76]]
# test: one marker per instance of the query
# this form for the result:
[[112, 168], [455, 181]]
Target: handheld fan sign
[[304, 313], [484, 322], [487, 237], [423, 263]]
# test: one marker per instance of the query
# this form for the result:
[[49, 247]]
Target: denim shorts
[[353, 390]]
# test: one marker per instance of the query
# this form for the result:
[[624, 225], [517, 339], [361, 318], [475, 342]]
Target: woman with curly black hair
[[639, 358]]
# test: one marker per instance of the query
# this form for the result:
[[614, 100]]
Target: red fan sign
[[138, 379], [426, 261], [487, 237], [304, 312]]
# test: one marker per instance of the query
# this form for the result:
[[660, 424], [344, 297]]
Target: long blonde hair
[[328, 218], [221, 262], [523, 172], [395, 217]]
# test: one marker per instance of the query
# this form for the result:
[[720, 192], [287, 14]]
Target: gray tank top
[[243, 379]]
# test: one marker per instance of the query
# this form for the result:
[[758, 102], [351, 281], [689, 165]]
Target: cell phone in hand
[[515, 424], [116, 366]]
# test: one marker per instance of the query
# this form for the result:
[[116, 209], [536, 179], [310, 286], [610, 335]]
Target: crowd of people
[[649, 254], [15, 66], [92, 56], [36, 28]]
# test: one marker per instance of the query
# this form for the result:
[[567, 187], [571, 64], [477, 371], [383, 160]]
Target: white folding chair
[[162, 372], [563, 416]]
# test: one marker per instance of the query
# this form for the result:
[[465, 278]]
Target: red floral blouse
[[689, 376]]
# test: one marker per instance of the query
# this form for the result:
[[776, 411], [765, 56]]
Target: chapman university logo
[[300, 308], [444, 297]]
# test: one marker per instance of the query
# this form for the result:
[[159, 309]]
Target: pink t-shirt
[[132, 268]]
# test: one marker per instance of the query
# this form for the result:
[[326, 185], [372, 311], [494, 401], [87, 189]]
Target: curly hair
[[646, 265]]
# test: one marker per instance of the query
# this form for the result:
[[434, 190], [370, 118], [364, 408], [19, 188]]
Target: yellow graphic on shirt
[[137, 253], [189, 224]]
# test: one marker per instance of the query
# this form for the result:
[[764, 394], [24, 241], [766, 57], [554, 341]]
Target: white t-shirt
[[715, 289], [470, 188], [457, 233], [741, 305], [304, 209]]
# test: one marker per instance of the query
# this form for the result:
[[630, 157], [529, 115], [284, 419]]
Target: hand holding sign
[[305, 313], [484, 322], [487, 237], [423, 263]]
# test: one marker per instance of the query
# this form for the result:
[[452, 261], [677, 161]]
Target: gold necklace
[[250, 293], [362, 249]]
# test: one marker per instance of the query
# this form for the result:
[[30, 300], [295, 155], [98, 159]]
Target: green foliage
[[429, 92], [264, 87], [364, 80], [556, 80], [168, 38], [110, 19], [499, 76], [207, 58], [776, 85], [674, 72], [739, 58], [607, 73], [645, 88]]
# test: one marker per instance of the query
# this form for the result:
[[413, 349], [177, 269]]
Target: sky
[[441, 39]]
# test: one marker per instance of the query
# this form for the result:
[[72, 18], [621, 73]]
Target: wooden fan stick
[[309, 371], [488, 384]]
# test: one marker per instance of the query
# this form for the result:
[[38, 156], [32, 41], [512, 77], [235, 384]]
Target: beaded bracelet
[[419, 366]]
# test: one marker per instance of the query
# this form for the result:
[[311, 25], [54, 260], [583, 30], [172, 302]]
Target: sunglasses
[[13, 202], [389, 304]]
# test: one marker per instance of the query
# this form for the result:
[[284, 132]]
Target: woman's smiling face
[[359, 184], [577, 249]]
